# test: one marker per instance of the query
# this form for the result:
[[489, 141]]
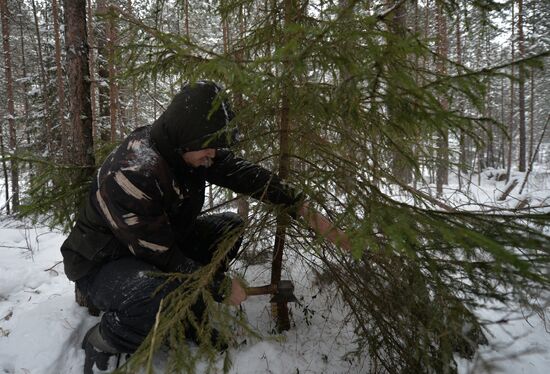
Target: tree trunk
[[502, 120], [2, 148], [5, 171], [186, 16], [60, 82], [488, 112], [401, 168], [225, 35], [134, 85], [442, 177], [91, 56], [24, 76], [281, 309], [511, 121], [102, 77], [79, 82], [43, 78], [10, 104], [532, 116], [113, 87], [243, 207], [462, 141], [521, 88]]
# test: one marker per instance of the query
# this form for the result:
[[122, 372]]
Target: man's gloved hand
[[238, 293]]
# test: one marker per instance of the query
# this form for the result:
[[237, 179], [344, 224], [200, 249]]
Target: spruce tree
[[363, 100], [420, 267]]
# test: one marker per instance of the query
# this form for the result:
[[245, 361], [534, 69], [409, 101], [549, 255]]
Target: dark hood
[[197, 118]]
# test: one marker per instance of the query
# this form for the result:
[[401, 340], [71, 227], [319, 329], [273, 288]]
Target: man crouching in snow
[[143, 216]]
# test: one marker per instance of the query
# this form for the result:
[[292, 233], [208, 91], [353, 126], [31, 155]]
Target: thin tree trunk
[[10, 104], [521, 88], [399, 164], [426, 30], [415, 146], [134, 85], [2, 147], [281, 309], [113, 87], [532, 115], [502, 120], [442, 177], [243, 207], [79, 80], [186, 16], [462, 155], [91, 57], [102, 62], [5, 171], [225, 35], [488, 113], [60, 82], [24, 76], [536, 151], [511, 121], [43, 78]]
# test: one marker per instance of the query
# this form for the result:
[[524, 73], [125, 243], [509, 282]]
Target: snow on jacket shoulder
[[135, 191], [126, 212]]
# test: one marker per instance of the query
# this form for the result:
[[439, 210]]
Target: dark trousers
[[125, 292]]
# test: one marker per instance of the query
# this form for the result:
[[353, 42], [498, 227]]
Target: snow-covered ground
[[41, 326]]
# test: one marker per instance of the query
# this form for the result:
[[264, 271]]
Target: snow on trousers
[[124, 291]]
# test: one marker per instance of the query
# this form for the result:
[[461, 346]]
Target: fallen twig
[[51, 269]]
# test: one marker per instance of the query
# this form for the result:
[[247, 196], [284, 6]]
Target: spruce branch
[[486, 70]]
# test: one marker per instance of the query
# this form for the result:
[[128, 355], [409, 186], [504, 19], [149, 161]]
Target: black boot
[[97, 350]]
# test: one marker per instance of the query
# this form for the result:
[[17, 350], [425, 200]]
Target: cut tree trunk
[[509, 188]]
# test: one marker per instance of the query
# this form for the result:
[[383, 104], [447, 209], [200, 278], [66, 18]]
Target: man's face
[[203, 157]]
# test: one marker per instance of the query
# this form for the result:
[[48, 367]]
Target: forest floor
[[41, 326]]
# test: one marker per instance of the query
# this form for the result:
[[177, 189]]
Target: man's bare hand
[[324, 227], [238, 293]]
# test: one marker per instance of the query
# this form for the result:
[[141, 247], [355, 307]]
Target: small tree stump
[[523, 203], [508, 189], [501, 177]]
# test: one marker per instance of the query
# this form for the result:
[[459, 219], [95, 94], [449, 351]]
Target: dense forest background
[[384, 112]]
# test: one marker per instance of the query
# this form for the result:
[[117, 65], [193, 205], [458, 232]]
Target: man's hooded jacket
[[145, 199]]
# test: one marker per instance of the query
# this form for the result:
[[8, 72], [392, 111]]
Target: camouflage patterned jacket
[[140, 204]]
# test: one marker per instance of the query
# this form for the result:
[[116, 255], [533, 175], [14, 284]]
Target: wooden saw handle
[[262, 290]]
